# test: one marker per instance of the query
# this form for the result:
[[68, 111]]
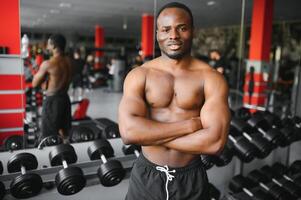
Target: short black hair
[[176, 5], [58, 41]]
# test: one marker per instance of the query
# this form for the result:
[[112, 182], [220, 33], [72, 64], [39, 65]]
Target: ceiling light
[[54, 11], [210, 3], [65, 5], [44, 16]]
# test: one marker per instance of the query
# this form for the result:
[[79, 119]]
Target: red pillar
[[260, 44], [147, 43], [11, 74], [99, 43]]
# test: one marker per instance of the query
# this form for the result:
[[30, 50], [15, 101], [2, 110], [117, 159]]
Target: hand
[[196, 124]]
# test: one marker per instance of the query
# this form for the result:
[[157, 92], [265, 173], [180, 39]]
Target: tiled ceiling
[[80, 16]]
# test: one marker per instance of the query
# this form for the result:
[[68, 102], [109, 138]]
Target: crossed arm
[[195, 136], [39, 77]]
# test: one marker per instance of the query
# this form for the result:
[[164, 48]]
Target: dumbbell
[[207, 161], [13, 142], [276, 122], [242, 148], [242, 113], [271, 134], [110, 172], [295, 167], [131, 149], [264, 147], [242, 184], [108, 127], [69, 180], [276, 191], [282, 181], [224, 158], [288, 174], [25, 185], [81, 134], [51, 140], [214, 193]]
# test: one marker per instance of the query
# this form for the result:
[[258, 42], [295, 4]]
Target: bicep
[[215, 112], [132, 102], [39, 76]]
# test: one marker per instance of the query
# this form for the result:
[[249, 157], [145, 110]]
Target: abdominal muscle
[[161, 155]]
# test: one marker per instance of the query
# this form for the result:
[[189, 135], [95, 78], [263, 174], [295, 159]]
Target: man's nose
[[174, 34]]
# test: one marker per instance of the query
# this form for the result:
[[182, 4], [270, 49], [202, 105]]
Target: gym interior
[[259, 47]]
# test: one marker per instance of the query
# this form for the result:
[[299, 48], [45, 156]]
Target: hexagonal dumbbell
[[25, 185], [69, 180], [131, 149], [13, 142], [263, 146], [81, 134], [110, 172]]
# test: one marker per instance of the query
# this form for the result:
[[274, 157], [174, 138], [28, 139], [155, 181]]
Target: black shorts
[[56, 114], [149, 181]]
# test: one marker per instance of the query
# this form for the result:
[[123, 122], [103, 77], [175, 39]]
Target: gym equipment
[[51, 140], [295, 167], [282, 171], [1, 168], [224, 158], [242, 113], [80, 112], [69, 180], [81, 134], [242, 148], [13, 142], [276, 191], [2, 190], [275, 122], [109, 128], [242, 184], [207, 161], [25, 185], [290, 186], [271, 134], [264, 148], [214, 193], [131, 149], [110, 172]]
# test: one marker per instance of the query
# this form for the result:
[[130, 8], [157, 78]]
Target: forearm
[[200, 142], [37, 80], [143, 131]]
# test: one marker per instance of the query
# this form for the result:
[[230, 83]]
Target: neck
[[57, 53], [180, 63]]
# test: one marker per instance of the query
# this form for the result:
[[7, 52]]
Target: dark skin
[[58, 72], [175, 106]]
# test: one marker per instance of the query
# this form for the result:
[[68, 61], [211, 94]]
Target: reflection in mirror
[[103, 44]]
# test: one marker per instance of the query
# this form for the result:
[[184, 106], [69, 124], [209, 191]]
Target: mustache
[[174, 43]]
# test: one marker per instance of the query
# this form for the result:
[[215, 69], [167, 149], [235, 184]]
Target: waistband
[[197, 163], [57, 93]]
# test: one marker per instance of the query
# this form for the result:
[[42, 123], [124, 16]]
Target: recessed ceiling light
[[210, 3], [54, 11], [65, 5]]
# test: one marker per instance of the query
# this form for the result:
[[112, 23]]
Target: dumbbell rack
[[93, 189]]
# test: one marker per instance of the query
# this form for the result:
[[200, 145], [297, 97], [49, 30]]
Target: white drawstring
[[169, 177]]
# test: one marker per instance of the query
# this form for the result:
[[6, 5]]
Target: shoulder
[[45, 65]]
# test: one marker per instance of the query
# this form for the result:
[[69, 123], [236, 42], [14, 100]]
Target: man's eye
[[183, 29], [165, 30]]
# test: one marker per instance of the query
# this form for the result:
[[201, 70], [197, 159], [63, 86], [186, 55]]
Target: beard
[[178, 54]]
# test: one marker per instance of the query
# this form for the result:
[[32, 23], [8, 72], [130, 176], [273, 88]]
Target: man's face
[[174, 33]]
